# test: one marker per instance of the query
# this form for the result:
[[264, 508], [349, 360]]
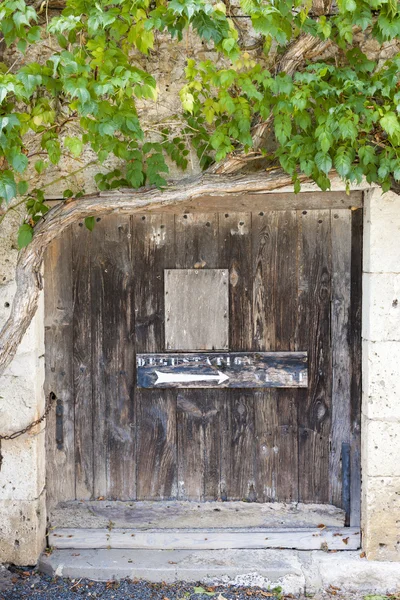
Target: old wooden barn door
[[294, 274]]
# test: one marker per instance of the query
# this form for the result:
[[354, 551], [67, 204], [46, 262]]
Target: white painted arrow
[[188, 377]]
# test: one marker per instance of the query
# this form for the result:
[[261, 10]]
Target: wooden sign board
[[223, 370]]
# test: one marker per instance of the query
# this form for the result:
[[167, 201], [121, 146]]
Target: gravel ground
[[21, 583]]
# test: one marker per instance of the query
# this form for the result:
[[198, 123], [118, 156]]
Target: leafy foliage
[[343, 113]]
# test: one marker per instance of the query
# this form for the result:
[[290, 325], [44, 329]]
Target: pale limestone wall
[[381, 377], [22, 481]]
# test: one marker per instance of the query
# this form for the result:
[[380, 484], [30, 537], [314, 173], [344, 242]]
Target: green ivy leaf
[[390, 124], [90, 223], [25, 235], [323, 162], [22, 187], [18, 160], [74, 145], [8, 186], [40, 166]]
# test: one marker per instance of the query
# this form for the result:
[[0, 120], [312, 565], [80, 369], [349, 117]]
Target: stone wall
[[381, 377], [22, 475]]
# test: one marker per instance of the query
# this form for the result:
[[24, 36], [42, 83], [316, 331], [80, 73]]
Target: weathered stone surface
[[381, 448], [381, 518], [382, 227], [23, 472], [381, 381], [264, 568], [295, 572], [22, 530], [351, 573], [381, 306]]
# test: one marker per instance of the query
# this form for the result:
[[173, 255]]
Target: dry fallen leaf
[[321, 526], [345, 541], [363, 555]]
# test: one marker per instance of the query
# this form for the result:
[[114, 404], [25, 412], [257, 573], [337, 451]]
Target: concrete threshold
[[294, 571]]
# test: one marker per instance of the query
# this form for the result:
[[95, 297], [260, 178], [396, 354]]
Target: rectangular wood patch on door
[[230, 370], [196, 309]]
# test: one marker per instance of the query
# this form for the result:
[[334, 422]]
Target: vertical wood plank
[[81, 253], [264, 242], [340, 339], [153, 251], [288, 401], [314, 329], [60, 463], [275, 319], [113, 359], [355, 346], [237, 406], [198, 411]]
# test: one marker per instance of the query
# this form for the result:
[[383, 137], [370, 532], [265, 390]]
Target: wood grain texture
[[264, 250], [237, 406], [314, 334], [59, 369], [175, 514], [208, 539], [82, 358], [265, 202], [286, 311], [153, 251], [341, 359], [113, 359], [289, 289], [198, 411], [196, 309]]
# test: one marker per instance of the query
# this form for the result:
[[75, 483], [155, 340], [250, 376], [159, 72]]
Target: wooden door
[[294, 285]]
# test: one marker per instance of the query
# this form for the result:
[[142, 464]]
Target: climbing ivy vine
[[339, 111]]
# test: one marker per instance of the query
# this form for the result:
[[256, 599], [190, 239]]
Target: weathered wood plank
[[208, 539], [288, 400], [355, 346], [234, 233], [196, 309], [194, 515], [264, 251], [198, 411], [82, 358], [60, 462], [265, 238], [232, 370], [113, 359], [156, 463], [238, 446], [314, 329], [237, 406], [266, 202], [341, 361]]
